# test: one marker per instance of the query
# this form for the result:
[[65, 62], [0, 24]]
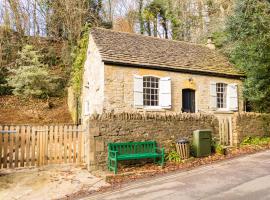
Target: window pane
[[150, 91], [221, 89]]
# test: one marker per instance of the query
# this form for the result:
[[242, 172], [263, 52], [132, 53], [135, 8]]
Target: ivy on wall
[[79, 56]]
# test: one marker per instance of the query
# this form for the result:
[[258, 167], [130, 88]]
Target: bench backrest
[[133, 147]]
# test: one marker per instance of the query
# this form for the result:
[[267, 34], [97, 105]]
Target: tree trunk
[[155, 26], [110, 11], [17, 15], [148, 27], [165, 27], [141, 17], [6, 15], [36, 26]]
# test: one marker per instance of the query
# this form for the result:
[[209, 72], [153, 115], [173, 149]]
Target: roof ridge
[[151, 37]]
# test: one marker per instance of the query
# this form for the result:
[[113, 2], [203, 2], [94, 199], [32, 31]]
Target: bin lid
[[183, 141]]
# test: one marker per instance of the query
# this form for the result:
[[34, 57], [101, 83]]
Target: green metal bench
[[133, 150]]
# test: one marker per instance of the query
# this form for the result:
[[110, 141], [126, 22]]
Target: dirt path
[[50, 182]]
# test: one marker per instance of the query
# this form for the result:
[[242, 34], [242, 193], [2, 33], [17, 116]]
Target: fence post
[[5, 147], [93, 131], [33, 148], [60, 149], [80, 144], [27, 145], [17, 146]]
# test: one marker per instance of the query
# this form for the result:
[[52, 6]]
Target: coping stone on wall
[[152, 116]]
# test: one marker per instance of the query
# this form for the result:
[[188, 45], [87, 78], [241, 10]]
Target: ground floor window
[[150, 91], [221, 89]]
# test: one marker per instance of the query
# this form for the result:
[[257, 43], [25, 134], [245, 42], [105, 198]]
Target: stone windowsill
[[149, 109], [223, 112]]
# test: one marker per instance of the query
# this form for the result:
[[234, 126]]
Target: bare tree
[[16, 11], [141, 17]]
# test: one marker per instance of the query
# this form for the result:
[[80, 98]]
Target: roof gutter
[[110, 62]]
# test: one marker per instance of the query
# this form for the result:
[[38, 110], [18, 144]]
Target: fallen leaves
[[127, 173]]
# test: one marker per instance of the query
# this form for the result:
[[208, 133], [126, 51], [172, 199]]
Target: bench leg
[[115, 167], [162, 160], [109, 165]]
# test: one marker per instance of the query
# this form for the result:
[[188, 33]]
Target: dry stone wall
[[250, 124], [124, 127], [164, 128]]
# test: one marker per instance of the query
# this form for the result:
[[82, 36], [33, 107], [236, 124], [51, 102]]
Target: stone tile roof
[[137, 50]]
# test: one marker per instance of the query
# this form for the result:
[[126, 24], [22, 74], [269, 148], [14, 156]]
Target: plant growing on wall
[[255, 141], [79, 55]]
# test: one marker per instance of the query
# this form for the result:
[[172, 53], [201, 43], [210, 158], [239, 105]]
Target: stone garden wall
[[250, 124], [165, 129]]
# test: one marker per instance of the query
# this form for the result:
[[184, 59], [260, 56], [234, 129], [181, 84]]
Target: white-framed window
[[221, 89], [150, 91], [223, 96]]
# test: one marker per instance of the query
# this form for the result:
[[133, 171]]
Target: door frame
[[195, 99]]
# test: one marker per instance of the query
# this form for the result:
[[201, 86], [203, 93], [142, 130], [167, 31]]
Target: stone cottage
[[133, 73]]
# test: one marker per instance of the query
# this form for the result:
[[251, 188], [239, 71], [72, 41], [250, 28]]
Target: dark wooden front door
[[188, 101]]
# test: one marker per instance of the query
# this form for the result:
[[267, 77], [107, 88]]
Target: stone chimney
[[210, 44]]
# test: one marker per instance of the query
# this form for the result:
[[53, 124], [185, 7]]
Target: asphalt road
[[244, 178]]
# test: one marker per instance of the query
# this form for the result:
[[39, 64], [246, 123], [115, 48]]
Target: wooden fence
[[225, 130], [22, 146]]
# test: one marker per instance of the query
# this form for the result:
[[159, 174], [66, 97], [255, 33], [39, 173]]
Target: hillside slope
[[33, 111]]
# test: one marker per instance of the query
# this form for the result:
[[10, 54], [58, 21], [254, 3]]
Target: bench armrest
[[161, 150]]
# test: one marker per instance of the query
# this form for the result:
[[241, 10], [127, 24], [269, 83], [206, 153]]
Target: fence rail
[[22, 146]]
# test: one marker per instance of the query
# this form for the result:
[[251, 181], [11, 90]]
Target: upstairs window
[[221, 90], [150, 91]]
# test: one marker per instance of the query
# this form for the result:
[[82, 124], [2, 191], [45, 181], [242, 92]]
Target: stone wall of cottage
[[118, 90], [124, 127], [250, 124], [93, 82]]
